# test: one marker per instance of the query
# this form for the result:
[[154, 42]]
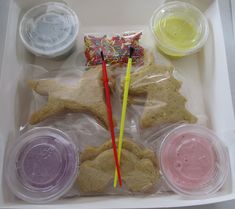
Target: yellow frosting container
[[179, 28]]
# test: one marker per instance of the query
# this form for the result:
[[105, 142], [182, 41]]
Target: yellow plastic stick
[[123, 116]]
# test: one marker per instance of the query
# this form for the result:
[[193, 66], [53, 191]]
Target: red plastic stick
[[110, 117]]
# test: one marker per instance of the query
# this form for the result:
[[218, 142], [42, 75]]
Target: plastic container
[[42, 165], [193, 161], [179, 28], [49, 29]]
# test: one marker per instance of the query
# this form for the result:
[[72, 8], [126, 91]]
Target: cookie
[[87, 95], [139, 168], [155, 87]]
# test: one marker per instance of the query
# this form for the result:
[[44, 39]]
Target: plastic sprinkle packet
[[115, 48]]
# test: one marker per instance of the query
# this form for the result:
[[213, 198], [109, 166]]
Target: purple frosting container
[[42, 166]]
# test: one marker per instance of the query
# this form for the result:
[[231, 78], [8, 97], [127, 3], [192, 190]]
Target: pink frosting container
[[193, 161]]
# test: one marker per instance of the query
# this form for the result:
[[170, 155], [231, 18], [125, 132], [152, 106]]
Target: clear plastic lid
[[42, 165], [179, 28], [49, 29], [193, 161]]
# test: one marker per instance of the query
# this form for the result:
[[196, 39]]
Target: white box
[[206, 72]]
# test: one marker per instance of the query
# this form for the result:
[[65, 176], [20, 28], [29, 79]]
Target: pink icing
[[188, 160]]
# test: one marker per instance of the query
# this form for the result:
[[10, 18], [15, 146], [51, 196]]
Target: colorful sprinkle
[[115, 48]]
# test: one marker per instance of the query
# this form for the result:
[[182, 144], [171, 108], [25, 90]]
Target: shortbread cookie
[[155, 87], [87, 95], [139, 168]]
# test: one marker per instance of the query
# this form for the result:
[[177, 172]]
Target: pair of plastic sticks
[[117, 155]]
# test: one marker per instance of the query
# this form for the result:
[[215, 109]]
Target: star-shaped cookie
[[85, 95], [154, 87]]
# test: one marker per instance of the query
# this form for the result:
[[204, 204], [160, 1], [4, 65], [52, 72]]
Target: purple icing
[[42, 165], [45, 162]]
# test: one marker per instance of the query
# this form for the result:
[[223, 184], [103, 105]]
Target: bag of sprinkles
[[115, 48]]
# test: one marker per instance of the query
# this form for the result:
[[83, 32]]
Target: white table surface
[[226, 15]]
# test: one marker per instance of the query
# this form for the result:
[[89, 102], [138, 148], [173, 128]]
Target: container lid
[[193, 161], [49, 29], [42, 166]]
